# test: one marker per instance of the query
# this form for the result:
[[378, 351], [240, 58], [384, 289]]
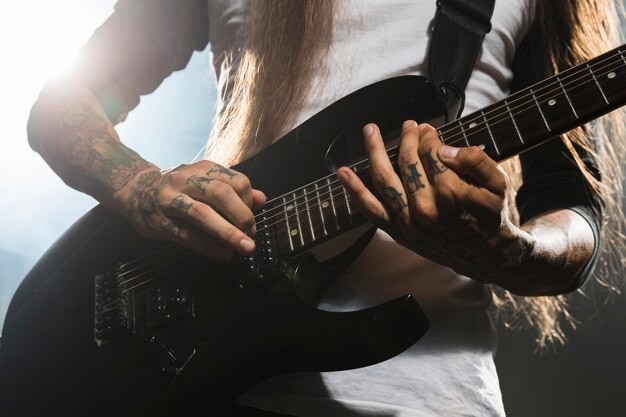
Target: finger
[[448, 188], [258, 199], [370, 206], [239, 182], [475, 164], [386, 182], [210, 222], [420, 193], [223, 197], [195, 240]]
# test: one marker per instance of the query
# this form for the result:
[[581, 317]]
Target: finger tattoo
[[394, 198], [222, 170], [169, 227], [197, 182], [412, 178], [431, 165], [179, 204]]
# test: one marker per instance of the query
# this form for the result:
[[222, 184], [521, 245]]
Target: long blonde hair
[[286, 41]]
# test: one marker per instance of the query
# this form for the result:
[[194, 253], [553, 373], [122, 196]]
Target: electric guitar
[[108, 323]]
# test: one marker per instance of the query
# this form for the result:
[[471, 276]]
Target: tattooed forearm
[[197, 182], [88, 143], [142, 200], [563, 244]]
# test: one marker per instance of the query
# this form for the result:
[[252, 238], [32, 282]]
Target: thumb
[[476, 165]]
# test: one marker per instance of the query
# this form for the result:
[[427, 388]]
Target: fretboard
[[544, 110], [323, 209]]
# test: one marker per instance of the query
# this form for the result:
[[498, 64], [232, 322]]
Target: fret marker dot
[[552, 102], [471, 125], [290, 207], [325, 204], [293, 232], [611, 74]]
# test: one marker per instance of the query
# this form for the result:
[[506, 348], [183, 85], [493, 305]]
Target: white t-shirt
[[450, 371]]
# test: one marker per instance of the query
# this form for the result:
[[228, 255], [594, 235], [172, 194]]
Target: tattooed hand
[[448, 204], [203, 206]]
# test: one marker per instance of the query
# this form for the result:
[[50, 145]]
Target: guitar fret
[[508, 109], [287, 224], [493, 140], [308, 213], [295, 206], [441, 136], [621, 54], [319, 205], [332, 202], [543, 117], [464, 135], [345, 196], [598, 84], [571, 105]]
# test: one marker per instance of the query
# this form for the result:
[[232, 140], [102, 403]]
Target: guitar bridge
[[112, 313]]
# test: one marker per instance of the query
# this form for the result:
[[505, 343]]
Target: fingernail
[[246, 246], [368, 129], [342, 176], [408, 124], [448, 151]]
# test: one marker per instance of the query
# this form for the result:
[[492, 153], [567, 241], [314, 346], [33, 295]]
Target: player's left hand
[[448, 204]]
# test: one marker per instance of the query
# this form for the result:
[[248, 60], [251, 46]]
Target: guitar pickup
[[166, 305]]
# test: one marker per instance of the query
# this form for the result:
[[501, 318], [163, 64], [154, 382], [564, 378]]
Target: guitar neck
[[323, 209], [544, 110]]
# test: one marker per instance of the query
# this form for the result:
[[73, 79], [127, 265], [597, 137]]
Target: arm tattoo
[[432, 166], [197, 182], [394, 198], [142, 199], [412, 178], [88, 144], [179, 204], [222, 170]]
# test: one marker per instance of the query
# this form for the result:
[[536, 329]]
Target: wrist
[[121, 200], [518, 251]]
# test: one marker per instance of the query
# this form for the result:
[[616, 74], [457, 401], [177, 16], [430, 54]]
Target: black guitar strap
[[459, 29]]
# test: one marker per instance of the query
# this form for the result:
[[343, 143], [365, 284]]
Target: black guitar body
[[81, 340]]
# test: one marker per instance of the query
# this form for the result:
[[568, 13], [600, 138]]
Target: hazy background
[[38, 39]]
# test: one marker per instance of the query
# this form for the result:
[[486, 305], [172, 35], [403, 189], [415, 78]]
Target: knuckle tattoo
[[219, 170], [394, 198], [179, 204], [412, 178]]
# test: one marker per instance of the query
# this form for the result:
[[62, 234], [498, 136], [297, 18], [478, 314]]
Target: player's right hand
[[203, 206]]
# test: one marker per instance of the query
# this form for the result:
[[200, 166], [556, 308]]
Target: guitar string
[[335, 182], [189, 259], [479, 128], [448, 141], [314, 205]]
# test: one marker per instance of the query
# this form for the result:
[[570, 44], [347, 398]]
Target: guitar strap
[[459, 29]]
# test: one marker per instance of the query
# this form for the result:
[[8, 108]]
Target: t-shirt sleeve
[[137, 47], [552, 180]]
